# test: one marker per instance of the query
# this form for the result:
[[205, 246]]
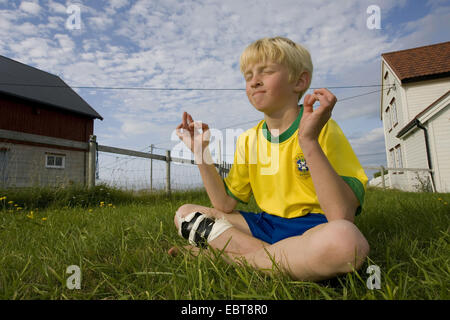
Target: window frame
[[55, 156]]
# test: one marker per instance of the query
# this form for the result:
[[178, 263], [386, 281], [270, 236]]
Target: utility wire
[[163, 89], [255, 120], [124, 160]]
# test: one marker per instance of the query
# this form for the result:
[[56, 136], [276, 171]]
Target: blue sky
[[196, 44]]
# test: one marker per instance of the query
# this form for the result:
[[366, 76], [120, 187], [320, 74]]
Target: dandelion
[[102, 204], [10, 202], [19, 208], [440, 199], [109, 204], [3, 198], [30, 215], [44, 219], [90, 210], [16, 205]]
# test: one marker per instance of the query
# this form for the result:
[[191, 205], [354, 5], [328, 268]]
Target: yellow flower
[[109, 204], [445, 203], [19, 208], [44, 219], [15, 205], [31, 215], [10, 202], [90, 210], [439, 199], [3, 198]]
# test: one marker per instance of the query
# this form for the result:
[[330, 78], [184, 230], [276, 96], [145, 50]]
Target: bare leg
[[322, 252]]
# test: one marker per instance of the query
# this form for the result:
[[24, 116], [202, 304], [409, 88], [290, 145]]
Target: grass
[[120, 247]]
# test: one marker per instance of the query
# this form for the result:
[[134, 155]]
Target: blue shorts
[[271, 229]]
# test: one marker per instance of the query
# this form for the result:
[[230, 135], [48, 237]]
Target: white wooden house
[[415, 110]]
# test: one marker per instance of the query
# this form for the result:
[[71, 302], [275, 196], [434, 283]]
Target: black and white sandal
[[200, 229]]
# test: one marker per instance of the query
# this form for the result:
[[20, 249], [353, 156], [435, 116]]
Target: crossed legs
[[322, 252]]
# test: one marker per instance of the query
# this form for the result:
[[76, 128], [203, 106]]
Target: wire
[[165, 89], [253, 121]]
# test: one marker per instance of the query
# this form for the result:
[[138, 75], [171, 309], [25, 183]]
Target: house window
[[386, 82], [398, 157], [394, 112], [388, 119], [392, 158], [55, 161]]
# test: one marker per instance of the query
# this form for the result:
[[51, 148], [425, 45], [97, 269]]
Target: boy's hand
[[313, 121], [189, 132]]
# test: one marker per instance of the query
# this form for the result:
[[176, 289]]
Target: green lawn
[[121, 249]]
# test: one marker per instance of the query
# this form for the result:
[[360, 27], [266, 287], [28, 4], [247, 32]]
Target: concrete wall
[[24, 166]]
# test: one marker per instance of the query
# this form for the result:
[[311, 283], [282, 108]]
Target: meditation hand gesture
[[313, 121], [189, 132]]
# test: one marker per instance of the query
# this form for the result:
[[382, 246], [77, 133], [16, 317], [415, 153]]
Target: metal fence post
[[91, 160], [168, 171], [383, 184], [151, 169]]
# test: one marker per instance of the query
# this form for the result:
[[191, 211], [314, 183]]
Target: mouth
[[257, 92]]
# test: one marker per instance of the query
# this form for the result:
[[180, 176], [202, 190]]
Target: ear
[[302, 82]]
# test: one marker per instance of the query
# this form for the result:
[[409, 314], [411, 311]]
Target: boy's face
[[268, 87]]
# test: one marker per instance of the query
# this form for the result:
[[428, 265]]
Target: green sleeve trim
[[358, 189], [231, 194]]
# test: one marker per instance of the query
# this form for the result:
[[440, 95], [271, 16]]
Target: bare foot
[[174, 251]]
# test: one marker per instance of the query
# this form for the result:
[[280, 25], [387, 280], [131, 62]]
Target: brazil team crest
[[301, 165]]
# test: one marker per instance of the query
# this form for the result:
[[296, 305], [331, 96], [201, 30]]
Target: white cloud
[[117, 4], [101, 22], [65, 42], [30, 7], [186, 44], [371, 142], [57, 7], [33, 47]]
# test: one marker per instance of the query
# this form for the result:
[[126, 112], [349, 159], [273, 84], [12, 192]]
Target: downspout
[[427, 147]]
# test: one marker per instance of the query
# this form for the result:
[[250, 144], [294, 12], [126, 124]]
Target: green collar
[[285, 135]]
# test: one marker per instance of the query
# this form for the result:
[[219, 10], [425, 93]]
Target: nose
[[256, 82]]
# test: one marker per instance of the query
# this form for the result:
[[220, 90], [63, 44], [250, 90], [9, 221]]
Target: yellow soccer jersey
[[276, 172]]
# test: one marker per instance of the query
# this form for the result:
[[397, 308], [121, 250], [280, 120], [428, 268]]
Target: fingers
[[198, 125], [326, 99], [325, 95], [308, 102], [184, 120]]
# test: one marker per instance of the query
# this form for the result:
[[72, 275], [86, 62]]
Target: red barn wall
[[30, 117]]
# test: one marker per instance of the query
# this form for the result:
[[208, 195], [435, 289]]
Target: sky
[[175, 44]]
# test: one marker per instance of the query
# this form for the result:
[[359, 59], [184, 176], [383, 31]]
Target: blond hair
[[279, 50]]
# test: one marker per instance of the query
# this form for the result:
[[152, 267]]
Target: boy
[[298, 165]]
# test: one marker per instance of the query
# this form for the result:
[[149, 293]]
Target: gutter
[[427, 147]]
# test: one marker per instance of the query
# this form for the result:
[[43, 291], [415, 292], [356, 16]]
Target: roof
[[415, 121], [20, 80], [422, 63]]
